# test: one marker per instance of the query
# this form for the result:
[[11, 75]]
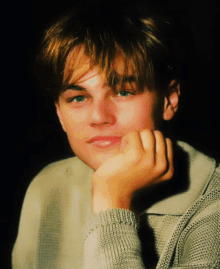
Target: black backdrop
[[33, 136]]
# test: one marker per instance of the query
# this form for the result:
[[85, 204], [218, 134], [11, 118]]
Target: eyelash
[[80, 96]]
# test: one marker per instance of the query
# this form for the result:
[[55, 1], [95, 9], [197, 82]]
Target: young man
[[130, 198]]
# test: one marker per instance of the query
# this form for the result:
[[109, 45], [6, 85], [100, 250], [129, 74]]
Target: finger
[[148, 139], [161, 154], [132, 141], [148, 143], [170, 172]]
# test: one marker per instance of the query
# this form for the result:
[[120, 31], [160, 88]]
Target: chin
[[96, 161]]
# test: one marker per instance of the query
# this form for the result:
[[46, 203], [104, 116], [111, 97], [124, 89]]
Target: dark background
[[33, 136]]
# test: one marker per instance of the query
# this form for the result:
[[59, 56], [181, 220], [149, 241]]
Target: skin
[[145, 159], [96, 111]]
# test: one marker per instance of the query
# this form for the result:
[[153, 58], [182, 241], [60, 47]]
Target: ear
[[60, 116], [171, 100]]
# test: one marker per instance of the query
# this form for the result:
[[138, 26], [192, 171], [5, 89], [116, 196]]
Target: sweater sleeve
[[111, 241]]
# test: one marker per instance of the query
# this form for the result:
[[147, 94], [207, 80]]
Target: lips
[[104, 141], [104, 138]]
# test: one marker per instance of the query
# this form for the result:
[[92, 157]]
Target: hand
[[145, 158]]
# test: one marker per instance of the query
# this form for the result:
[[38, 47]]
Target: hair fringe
[[142, 51]]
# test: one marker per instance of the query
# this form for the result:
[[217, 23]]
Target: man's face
[[90, 109]]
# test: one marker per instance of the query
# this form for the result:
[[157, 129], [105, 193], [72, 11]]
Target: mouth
[[104, 141]]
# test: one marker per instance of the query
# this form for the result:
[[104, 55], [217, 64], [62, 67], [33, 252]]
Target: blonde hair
[[89, 40]]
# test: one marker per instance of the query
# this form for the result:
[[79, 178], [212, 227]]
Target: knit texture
[[58, 228]]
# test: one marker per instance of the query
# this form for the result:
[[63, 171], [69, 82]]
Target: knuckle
[[168, 175], [146, 131], [158, 133], [168, 140], [135, 132], [162, 167], [132, 134], [166, 178], [147, 134], [128, 134]]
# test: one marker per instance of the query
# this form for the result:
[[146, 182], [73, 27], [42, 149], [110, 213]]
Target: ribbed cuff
[[108, 217], [112, 241]]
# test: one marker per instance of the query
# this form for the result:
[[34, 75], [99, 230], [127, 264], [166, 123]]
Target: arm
[[112, 240], [112, 237], [145, 159]]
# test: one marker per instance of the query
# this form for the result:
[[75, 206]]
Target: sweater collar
[[200, 170]]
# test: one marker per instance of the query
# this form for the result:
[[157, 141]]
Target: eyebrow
[[72, 86], [115, 80]]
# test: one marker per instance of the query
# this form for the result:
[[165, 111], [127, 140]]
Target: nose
[[102, 112]]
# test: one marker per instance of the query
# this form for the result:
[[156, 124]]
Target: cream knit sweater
[[59, 230]]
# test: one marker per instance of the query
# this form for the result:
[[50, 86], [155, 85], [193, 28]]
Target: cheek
[[151, 110], [138, 116], [74, 123]]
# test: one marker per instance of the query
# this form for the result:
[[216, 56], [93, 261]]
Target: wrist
[[101, 203]]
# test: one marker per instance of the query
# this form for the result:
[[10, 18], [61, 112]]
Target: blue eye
[[125, 93], [82, 98], [78, 99]]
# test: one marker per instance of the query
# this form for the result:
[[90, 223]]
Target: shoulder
[[60, 174], [51, 186], [70, 165], [203, 170]]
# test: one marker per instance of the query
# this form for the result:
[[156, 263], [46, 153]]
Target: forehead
[[79, 65]]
